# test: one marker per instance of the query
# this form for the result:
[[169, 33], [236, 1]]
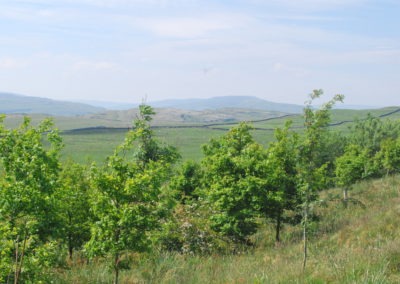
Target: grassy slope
[[353, 245]]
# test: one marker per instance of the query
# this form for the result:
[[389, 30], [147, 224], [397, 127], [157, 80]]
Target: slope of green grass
[[349, 245]]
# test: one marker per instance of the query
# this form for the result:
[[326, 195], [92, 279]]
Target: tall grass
[[357, 244]]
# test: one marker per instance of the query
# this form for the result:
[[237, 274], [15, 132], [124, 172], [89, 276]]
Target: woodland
[[143, 213]]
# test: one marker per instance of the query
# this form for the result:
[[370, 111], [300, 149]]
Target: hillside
[[359, 244], [243, 102], [13, 103]]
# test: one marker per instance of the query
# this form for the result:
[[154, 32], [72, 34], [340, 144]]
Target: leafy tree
[[234, 176], [29, 178], [333, 145], [127, 199], [388, 157], [187, 181], [73, 206], [281, 192], [147, 147], [311, 174], [350, 167], [370, 132]]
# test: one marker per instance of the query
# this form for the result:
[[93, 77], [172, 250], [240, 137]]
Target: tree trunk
[[305, 237], [278, 229], [345, 194], [116, 268], [70, 245], [19, 267], [16, 260]]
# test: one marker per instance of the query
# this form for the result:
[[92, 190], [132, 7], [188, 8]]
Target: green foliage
[[280, 193], [388, 157], [187, 181], [311, 173], [351, 166], [234, 178], [73, 206], [127, 200], [372, 131], [311, 169], [148, 148], [189, 232], [29, 179]]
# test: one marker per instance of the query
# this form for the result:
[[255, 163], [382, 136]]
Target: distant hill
[[243, 102], [109, 105], [13, 103]]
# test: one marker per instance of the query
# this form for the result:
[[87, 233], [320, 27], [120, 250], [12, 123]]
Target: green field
[[102, 133]]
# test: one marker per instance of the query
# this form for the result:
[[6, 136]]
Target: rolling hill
[[243, 102], [13, 103]]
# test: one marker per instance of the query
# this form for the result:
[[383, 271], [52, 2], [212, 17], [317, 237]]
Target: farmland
[[90, 138]]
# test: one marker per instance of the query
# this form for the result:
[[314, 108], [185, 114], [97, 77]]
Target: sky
[[130, 50]]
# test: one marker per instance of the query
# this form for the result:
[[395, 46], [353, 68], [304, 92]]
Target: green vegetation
[[252, 208], [359, 245]]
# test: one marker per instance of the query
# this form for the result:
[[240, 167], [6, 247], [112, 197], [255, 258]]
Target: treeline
[[142, 200]]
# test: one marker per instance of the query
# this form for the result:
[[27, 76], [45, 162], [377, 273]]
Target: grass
[[348, 245], [96, 145]]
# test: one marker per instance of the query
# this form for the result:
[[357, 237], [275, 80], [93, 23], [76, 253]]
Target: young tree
[[388, 157], [29, 178], [234, 179], [370, 132], [127, 198], [187, 181], [350, 168], [311, 174], [281, 192], [73, 206]]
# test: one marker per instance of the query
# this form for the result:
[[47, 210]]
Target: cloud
[[191, 27]]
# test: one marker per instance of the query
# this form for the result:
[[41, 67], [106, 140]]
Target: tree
[[73, 206], [281, 192], [234, 179], [388, 157], [127, 199], [370, 132], [147, 147], [29, 166], [350, 167], [310, 173], [187, 181]]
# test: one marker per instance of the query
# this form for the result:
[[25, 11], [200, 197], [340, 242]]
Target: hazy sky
[[124, 50]]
